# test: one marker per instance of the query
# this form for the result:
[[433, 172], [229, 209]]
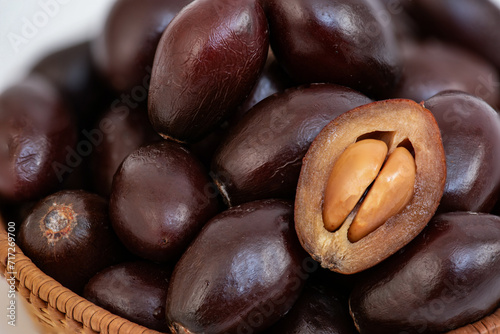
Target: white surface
[[57, 23], [30, 29], [23, 322]]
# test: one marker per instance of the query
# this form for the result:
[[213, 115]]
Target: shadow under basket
[[59, 310]]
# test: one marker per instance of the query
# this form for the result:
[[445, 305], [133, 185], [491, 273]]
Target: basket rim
[[68, 303], [89, 315]]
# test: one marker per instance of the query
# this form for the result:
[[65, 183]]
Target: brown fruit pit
[[370, 182]]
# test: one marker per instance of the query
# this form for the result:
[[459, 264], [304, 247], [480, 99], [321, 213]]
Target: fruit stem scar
[[58, 222]]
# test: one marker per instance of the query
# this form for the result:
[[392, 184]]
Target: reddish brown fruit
[[404, 126], [206, 63], [68, 235]]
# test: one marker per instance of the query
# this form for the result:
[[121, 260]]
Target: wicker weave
[[59, 310]]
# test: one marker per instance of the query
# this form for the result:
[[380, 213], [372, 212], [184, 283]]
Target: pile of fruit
[[266, 166]]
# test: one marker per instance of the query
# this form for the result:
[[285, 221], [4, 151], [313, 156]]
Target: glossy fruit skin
[[125, 50], [202, 73], [160, 199], [341, 42], [123, 134], [133, 290], [272, 80], [431, 67], [241, 273], [90, 246], [470, 23], [320, 309], [262, 155], [73, 72], [470, 130], [449, 276], [36, 128]]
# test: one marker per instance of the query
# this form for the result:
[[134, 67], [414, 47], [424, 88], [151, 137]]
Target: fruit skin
[[133, 290], [342, 42], [470, 23], [272, 80], [447, 277], [74, 73], [124, 51], [399, 123], [430, 67], [78, 253], [321, 309], [36, 130], [242, 272], [202, 73], [470, 129], [124, 133], [161, 197], [262, 155]]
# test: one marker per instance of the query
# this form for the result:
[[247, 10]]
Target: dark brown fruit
[[471, 135], [241, 274], [394, 12], [446, 278], [125, 50], [118, 135], [376, 215], [161, 197], [207, 62], [432, 67], [73, 72], [471, 23], [262, 155], [496, 209], [320, 309], [69, 237], [342, 42], [133, 290], [36, 129], [272, 80]]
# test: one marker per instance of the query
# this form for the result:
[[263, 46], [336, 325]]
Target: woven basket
[[59, 310]]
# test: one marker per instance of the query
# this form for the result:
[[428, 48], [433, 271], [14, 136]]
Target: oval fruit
[[73, 72], [471, 23], [342, 42], [447, 277], [404, 195], [241, 274], [320, 309], [68, 235], [133, 290], [160, 198], [431, 67], [36, 130], [125, 50], [262, 154], [123, 134], [470, 129], [272, 80], [206, 63]]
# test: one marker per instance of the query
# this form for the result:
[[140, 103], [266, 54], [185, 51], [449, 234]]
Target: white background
[[70, 21]]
